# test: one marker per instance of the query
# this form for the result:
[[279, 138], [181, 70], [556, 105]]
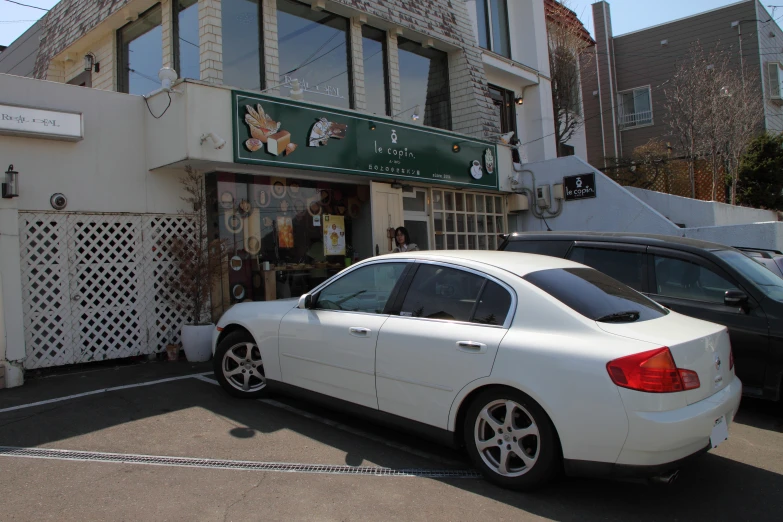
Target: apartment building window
[[140, 51], [376, 75], [635, 108], [187, 59], [775, 80], [424, 84], [492, 17], [505, 115], [313, 48], [242, 54]]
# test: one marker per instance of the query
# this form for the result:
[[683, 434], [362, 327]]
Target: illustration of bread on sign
[[325, 129], [264, 130]]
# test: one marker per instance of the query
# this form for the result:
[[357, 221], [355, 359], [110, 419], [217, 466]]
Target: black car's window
[[766, 281], [685, 280], [366, 289], [544, 248], [439, 292], [493, 306], [596, 295], [626, 267]]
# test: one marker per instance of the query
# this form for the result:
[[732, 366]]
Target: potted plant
[[196, 267]]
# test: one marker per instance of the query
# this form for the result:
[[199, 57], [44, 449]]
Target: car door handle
[[358, 331], [471, 346]]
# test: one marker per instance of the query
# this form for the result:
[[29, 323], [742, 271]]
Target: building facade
[[318, 127], [625, 100]]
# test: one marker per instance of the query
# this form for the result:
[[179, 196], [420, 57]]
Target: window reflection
[[241, 47], [141, 53], [313, 48], [424, 84], [186, 42], [376, 79]]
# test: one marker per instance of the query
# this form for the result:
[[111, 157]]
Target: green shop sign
[[285, 133]]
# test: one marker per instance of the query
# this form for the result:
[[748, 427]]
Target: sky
[[627, 15]]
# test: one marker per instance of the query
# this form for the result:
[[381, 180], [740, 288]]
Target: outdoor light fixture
[[90, 63], [415, 116], [297, 93], [455, 147], [217, 141], [519, 101], [167, 76], [504, 138], [372, 125], [11, 185]]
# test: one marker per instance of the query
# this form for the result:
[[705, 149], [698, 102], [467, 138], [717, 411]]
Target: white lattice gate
[[95, 286]]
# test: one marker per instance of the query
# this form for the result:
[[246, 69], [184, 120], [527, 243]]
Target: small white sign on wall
[[41, 123]]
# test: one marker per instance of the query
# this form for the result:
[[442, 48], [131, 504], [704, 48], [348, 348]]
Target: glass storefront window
[[471, 221], [424, 84], [140, 46], [280, 221], [376, 76], [185, 18], [313, 48], [242, 55]]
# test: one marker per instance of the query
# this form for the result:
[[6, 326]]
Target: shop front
[[326, 187]]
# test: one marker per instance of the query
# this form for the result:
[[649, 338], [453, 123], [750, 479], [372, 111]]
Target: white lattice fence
[[95, 286], [164, 317]]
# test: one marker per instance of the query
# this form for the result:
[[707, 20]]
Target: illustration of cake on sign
[[325, 129]]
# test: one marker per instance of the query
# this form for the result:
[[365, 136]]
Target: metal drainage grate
[[152, 460]]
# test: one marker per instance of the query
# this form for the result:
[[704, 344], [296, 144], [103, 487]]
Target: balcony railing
[[629, 121]]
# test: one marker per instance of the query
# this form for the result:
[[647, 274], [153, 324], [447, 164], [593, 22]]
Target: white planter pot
[[197, 342]]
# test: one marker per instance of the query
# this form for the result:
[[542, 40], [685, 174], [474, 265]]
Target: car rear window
[[596, 295]]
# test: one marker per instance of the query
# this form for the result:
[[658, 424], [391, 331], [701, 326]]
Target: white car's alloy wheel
[[243, 368], [507, 438]]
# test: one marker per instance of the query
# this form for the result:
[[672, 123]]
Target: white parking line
[[348, 429], [104, 390]]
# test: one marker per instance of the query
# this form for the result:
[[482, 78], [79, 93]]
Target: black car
[[705, 280]]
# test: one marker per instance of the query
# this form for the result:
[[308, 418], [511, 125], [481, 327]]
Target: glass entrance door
[[415, 205]]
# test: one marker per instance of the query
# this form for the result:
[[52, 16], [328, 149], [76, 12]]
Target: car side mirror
[[735, 298], [305, 302]]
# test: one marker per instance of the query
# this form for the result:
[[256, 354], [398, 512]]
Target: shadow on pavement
[[711, 488], [764, 415]]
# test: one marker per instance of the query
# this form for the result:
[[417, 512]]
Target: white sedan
[[534, 364]]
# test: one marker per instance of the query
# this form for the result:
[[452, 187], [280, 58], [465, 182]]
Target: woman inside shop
[[403, 240]]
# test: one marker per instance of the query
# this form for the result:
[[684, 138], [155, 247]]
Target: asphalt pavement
[[161, 441]]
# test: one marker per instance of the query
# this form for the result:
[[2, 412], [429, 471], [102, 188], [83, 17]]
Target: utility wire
[[26, 5]]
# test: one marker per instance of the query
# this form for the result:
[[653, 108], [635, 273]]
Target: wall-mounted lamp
[[90, 63], [519, 101], [217, 141], [297, 93], [455, 147], [11, 185], [372, 125], [415, 116]]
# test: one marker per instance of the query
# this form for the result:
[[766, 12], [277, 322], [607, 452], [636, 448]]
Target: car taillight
[[653, 371], [731, 359]]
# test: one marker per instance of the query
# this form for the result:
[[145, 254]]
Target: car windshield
[[766, 281], [596, 295]]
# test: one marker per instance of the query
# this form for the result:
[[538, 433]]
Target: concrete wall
[[694, 213], [614, 209], [757, 235], [105, 172]]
